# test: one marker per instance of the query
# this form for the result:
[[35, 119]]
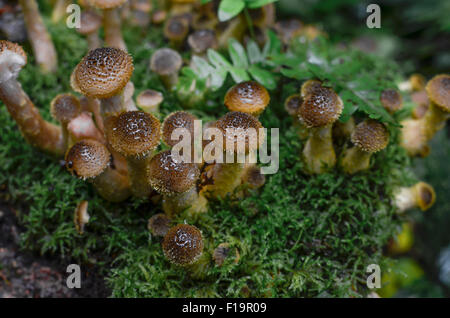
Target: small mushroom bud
[[43, 48], [176, 30], [135, 135], [176, 181], [421, 195], [159, 224], [90, 160], [247, 97], [64, 108], [369, 136], [391, 100], [149, 101], [81, 216], [90, 23], [320, 109], [103, 73], [166, 63], [183, 244], [38, 132], [202, 40], [111, 22]]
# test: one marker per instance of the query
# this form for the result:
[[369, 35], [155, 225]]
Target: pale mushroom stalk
[[38, 132], [43, 48], [83, 127], [59, 10], [113, 32]]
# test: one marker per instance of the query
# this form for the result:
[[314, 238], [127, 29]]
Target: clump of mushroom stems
[[43, 48]]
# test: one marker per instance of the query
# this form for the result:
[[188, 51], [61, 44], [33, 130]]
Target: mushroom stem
[[319, 153], [59, 10], [190, 200], [421, 195], [112, 185], [93, 41], [355, 160], [434, 120], [43, 48], [38, 132], [137, 168], [112, 26], [226, 178], [112, 106]]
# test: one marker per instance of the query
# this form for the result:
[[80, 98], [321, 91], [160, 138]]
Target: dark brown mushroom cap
[[103, 73], [169, 176], [237, 125], [391, 100], [176, 28], [292, 104], [165, 61], [370, 136], [149, 98], [106, 4], [159, 224], [248, 97], [320, 108], [90, 22], [183, 244], [309, 86], [65, 107], [87, 159], [176, 120], [202, 40], [134, 133], [438, 90]]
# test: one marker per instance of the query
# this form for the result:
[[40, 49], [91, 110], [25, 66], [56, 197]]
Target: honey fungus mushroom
[[176, 181], [149, 101], [202, 40], [135, 135], [183, 244], [176, 29], [36, 131], [64, 108], [391, 100], [319, 110], [166, 63], [103, 73], [421, 195], [247, 97], [369, 136], [90, 160]]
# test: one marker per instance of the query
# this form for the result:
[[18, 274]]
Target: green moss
[[298, 236]]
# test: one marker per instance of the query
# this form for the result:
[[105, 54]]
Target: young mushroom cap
[[176, 28], [107, 4], [293, 103], [165, 61], [183, 244], [65, 107], [87, 159], [391, 100], [134, 133], [149, 99], [248, 97], [171, 177], [320, 108], [90, 22], [202, 40], [309, 86], [176, 120], [438, 90], [102, 73], [370, 136], [159, 224], [17, 57]]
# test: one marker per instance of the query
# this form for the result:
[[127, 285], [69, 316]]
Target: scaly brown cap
[[370, 136], [87, 159], [171, 177], [90, 22], [176, 120], [292, 104], [183, 244], [391, 100], [65, 107], [106, 4], [438, 90], [247, 97], [165, 61], [320, 108], [202, 40], [103, 73], [133, 134]]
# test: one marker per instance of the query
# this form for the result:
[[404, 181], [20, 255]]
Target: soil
[[26, 275]]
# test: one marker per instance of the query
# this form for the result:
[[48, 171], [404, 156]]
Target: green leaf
[[202, 67], [237, 54], [262, 76], [253, 4], [239, 74], [205, 1], [218, 60], [228, 9], [273, 44], [253, 52], [299, 74]]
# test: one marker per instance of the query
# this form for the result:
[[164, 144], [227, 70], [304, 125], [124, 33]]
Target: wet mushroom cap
[[183, 244], [202, 40], [370, 136], [237, 125], [149, 98], [320, 108], [106, 4], [249, 97], [176, 28], [65, 107], [134, 133], [176, 120], [87, 159], [103, 73], [90, 22], [169, 176], [165, 61], [391, 100], [293, 103], [438, 90]]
